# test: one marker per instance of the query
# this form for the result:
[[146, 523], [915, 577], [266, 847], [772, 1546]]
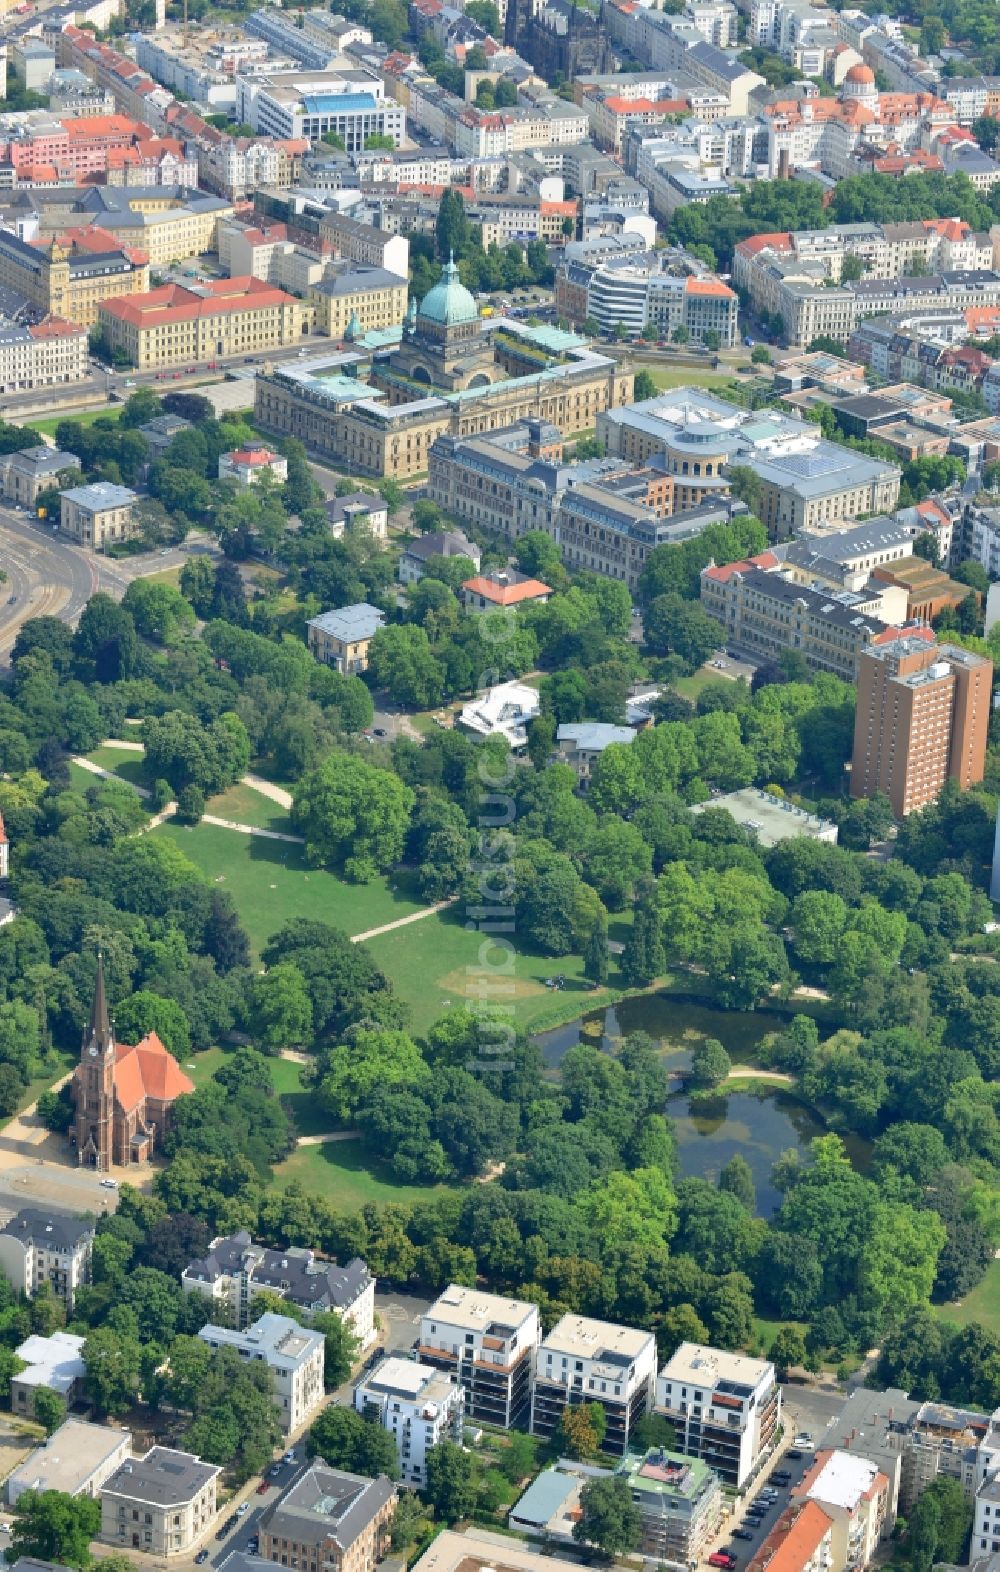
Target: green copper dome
[[449, 302]]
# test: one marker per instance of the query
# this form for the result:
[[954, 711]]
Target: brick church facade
[[123, 1095]]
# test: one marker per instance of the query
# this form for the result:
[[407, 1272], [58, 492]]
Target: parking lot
[[753, 1517]]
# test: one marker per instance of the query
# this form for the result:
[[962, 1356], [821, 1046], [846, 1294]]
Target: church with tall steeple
[[123, 1095]]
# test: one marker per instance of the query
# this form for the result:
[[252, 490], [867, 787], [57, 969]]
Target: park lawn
[[171, 576], [764, 1331], [342, 1174], [59, 1063], [301, 1101], [982, 1304], [200, 1067], [245, 806], [688, 376], [690, 687], [124, 762], [434, 964], [46, 424], [271, 883]]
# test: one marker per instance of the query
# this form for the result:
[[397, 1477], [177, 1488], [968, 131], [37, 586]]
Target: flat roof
[[164, 1477], [476, 1311], [477, 1551], [842, 1479], [68, 1458], [360, 621], [774, 819], [590, 1339], [410, 1379], [704, 1366]]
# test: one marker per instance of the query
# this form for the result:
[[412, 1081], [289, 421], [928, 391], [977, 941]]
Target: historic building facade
[[447, 375]]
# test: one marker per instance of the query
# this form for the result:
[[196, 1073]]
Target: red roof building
[[124, 1094]]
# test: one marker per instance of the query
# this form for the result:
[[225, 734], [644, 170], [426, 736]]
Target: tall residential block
[[922, 719], [489, 1345], [725, 1408], [585, 1361]]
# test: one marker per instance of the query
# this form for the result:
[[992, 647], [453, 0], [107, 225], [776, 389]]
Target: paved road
[[248, 1525], [48, 575], [112, 386], [804, 1410], [808, 1409]]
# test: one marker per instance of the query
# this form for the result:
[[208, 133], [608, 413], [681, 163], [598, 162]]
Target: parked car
[[805, 1441], [201, 1558], [793, 1452], [722, 1558], [742, 1533], [243, 1509], [274, 1472], [781, 1476]]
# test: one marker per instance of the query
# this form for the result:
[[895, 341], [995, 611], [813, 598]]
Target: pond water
[[758, 1125]]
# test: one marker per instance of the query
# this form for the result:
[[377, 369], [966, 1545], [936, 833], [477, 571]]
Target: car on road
[[109, 1184], [201, 1558], [253, 1545]]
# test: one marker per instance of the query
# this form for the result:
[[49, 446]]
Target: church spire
[[98, 1034]]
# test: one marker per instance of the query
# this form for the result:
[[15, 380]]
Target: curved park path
[[275, 794]]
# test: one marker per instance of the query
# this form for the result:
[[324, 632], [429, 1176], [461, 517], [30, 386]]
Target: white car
[[109, 1184], [805, 1443]]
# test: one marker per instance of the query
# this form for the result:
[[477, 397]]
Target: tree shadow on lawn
[[400, 886]]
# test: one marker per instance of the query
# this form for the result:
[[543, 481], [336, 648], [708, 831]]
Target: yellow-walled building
[[69, 277], [175, 326]]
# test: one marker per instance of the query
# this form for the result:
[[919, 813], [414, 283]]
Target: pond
[[759, 1125]]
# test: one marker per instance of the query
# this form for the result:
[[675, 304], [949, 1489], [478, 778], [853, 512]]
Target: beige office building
[[99, 515], [161, 1503], [174, 326]]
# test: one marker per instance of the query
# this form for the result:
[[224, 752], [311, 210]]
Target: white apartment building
[[292, 1353], [724, 1407], [39, 1247], [586, 1361], [50, 354], [351, 105], [419, 1406], [986, 1524], [854, 1494], [489, 1344]]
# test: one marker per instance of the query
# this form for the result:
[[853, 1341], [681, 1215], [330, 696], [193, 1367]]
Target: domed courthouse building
[[377, 405], [444, 343]]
